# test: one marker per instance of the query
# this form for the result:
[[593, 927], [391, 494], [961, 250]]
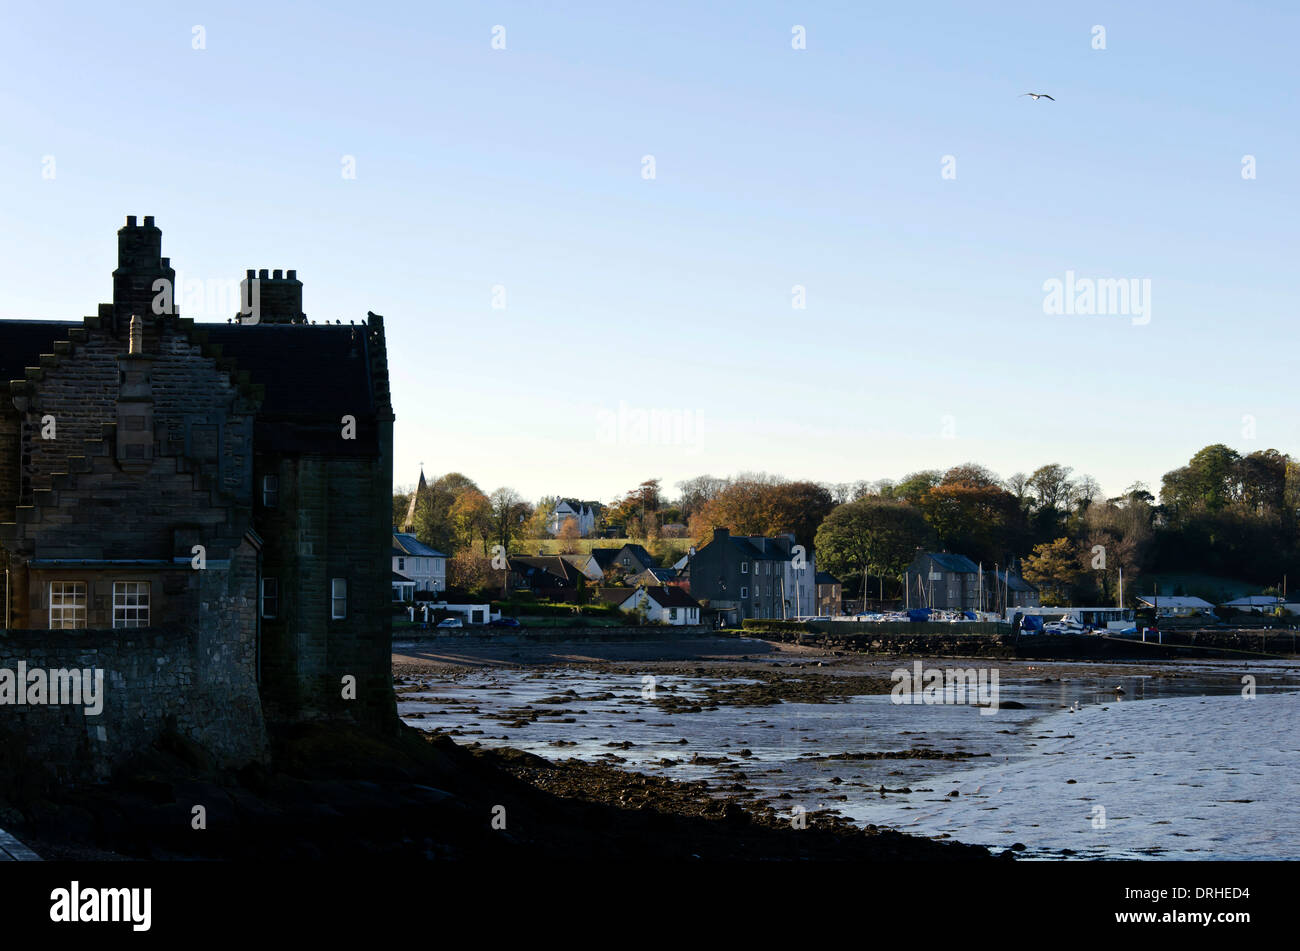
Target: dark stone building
[[202, 509], [737, 577]]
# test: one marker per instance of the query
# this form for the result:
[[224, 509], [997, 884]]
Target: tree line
[[1223, 513]]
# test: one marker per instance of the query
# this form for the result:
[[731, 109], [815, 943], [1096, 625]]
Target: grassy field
[[553, 546]]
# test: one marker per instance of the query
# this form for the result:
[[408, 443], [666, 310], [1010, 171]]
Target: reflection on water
[[1169, 767]]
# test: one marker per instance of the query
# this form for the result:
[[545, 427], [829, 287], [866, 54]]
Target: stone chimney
[[140, 265], [135, 435], [271, 297]]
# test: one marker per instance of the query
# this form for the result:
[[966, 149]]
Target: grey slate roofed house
[[943, 581], [426, 566], [1016, 592], [543, 573], [750, 576]]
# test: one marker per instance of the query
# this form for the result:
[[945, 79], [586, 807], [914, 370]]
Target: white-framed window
[[401, 564], [672, 613], [270, 491], [338, 598], [130, 604], [744, 567], [270, 597], [767, 567], [67, 605], [744, 592]]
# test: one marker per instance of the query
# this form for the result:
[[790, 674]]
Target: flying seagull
[[1038, 95]]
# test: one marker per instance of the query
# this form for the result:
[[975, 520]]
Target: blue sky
[[924, 340]]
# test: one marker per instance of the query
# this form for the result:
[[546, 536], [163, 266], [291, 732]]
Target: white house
[[583, 514], [1262, 604], [416, 561], [1175, 605], [668, 605]]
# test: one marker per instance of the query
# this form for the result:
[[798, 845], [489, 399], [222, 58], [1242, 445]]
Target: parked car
[[504, 622], [451, 622]]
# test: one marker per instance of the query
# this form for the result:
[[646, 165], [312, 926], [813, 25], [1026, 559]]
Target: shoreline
[[525, 696]]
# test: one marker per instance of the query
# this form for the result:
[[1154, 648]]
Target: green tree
[[878, 535]]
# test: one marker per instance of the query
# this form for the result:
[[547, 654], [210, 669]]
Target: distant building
[[950, 582], [1175, 605], [664, 605], [752, 576], [943, 581], [543, 575], [425, 566], [582, 514], [1015, 591], [653, 577], [421, 492], [628, 560], [830, 595]]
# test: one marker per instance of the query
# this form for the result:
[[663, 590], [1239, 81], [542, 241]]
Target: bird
[[1038, 95]]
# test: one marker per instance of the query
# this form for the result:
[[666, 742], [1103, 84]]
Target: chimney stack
[[271, 297], [140, 265]]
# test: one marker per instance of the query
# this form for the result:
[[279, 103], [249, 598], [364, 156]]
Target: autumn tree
[[568, 537], [471, 518], [1054, 567]]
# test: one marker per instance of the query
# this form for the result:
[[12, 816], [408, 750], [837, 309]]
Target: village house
[[1175, 605], [199, 507], [582, 514], [416, 561], [664, 605], [543, 575], [752, 576], [830, 595]]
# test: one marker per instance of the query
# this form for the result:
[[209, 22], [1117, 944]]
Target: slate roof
[[671, 597], [950, 562], [1013, 582], [640, 554], [314, 375], [605, 556], [825, 577], [406, 544], [547, 571], [1173, 601]]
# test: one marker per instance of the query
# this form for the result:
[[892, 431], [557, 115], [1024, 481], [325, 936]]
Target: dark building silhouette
[[201, 509]]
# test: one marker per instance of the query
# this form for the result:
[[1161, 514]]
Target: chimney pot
[[277, 274], [252, 275], [130, 221], [291, 275], [264, 274], [148, 221]]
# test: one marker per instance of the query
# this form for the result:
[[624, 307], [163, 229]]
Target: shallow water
[[1166, 760]]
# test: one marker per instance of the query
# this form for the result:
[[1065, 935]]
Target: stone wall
[[155, 681], [329, 524]]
